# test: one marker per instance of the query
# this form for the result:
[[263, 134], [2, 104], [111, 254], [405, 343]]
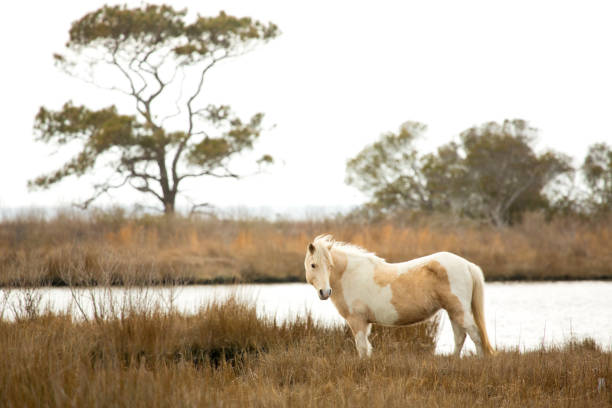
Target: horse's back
[[447, 268], [453, 264]]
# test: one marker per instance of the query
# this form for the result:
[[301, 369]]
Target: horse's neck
[[346, 263], [340, 261]]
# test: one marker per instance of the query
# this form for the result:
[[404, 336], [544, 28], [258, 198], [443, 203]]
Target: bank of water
[[523, 315]]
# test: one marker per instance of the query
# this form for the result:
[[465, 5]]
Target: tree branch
[[134, 93], [102, 189], [178, 99], [199, 89], [146, 188], [209, 173]]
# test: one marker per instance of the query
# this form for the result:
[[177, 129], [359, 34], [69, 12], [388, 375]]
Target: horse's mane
[[327, 241]]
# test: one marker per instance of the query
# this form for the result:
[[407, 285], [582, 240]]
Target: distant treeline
[[491, 173]]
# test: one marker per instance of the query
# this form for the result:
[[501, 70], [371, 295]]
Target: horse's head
[[318, 263]]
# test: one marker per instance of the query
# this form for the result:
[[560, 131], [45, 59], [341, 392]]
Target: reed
[[102, 247], [225, 356]]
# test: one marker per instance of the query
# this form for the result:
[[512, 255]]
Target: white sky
[[341, 73]]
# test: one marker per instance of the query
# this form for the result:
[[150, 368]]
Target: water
[[523, 315]]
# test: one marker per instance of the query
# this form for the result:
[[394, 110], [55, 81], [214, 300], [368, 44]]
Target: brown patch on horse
[[335, 281], [419, 292]]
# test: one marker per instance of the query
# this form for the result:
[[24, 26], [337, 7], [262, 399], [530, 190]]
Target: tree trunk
[[169, 204]]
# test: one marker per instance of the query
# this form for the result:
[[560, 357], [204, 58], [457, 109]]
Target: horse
[[367, 290]]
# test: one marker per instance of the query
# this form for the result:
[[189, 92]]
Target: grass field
[[110, 247], [226, 356]]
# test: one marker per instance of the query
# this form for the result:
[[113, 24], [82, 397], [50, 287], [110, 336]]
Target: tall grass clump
[[152, 355], [224, 355]]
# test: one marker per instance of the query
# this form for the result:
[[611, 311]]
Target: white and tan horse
[[365, 289]]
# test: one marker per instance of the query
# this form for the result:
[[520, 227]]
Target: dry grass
[[112, 248], [226, 356]]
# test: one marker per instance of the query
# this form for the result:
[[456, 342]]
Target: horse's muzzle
[[324, 293]]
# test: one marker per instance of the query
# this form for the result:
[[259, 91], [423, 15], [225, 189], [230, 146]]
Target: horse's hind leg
[[462, 319], [474, 333], [463, 322], [459, 333]]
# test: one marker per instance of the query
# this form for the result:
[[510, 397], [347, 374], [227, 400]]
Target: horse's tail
[[478, 307]]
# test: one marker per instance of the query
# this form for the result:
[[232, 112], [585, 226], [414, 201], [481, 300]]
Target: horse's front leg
[[361, 330]]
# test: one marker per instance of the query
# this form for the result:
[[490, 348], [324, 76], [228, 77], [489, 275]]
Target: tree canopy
[[155, 57], [390, 172], [502, 176]]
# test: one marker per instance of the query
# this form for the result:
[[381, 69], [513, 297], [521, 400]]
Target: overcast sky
[[341, 73]]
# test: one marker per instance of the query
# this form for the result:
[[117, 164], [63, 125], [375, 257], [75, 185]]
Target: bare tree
[[153, 56]]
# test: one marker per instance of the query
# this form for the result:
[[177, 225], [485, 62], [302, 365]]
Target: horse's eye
[[313, 265]]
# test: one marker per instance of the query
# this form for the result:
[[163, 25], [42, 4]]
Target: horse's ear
[[330, 245], [311, 248]]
